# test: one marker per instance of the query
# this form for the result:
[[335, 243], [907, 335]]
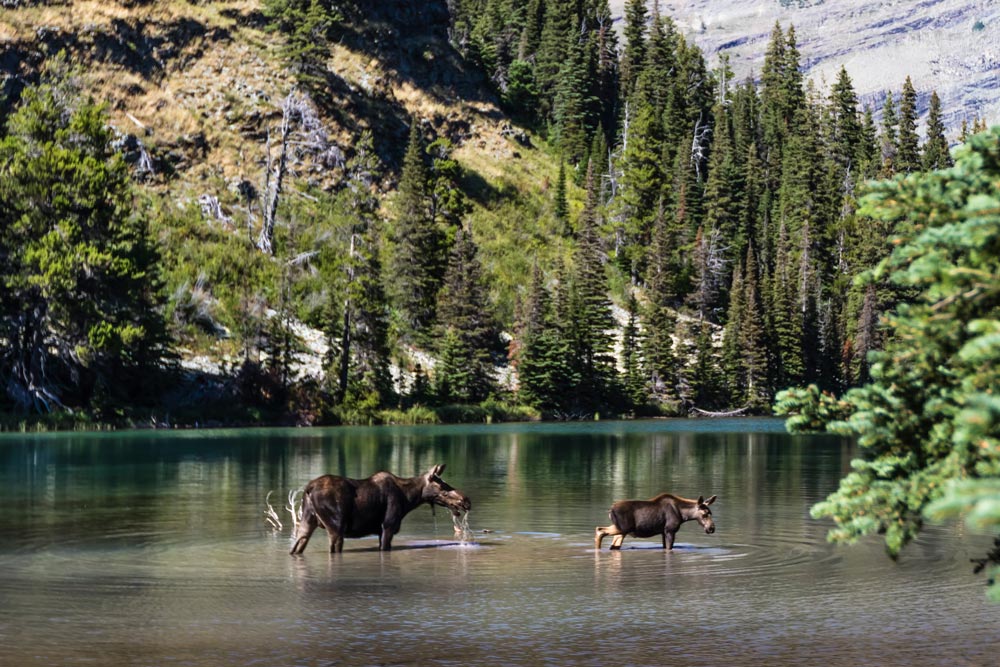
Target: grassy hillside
[[195, 92]]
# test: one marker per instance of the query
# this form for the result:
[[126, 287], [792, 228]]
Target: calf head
[[703, 514], [438, 492]]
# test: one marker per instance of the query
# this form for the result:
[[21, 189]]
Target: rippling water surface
[[152, 549]]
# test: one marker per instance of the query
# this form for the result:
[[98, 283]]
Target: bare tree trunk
[[272, 191], [345, 346]]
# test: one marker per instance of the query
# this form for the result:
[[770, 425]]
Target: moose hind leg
[[600, 533], [306, 529], [617, 542]]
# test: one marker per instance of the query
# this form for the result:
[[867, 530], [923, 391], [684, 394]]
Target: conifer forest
[[695, 245]]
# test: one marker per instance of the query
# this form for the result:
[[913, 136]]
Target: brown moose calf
[[661, 515]]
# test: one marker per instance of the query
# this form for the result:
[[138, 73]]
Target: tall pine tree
[[415, 263]]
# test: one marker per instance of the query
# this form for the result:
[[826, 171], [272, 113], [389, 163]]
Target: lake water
[[151, 548]]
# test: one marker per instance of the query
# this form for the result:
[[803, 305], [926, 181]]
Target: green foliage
[[416, 260], [363, 378], [306, 25], [465, 372], [908, 146], [81, 301], [936, 154], [545, 359], [927, 422], [591, 321], [561, 205], [634, 53], [686, 173], [634, 382]]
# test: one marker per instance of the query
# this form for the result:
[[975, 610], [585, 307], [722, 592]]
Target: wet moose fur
[[374, 506], [662, 515]]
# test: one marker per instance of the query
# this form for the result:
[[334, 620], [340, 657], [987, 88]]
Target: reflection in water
[[151, 548]]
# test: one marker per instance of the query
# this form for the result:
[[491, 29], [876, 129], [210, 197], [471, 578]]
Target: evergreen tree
[[561, 203], [908, 156], [655, 81], [731, 354], [785, 318], [470, 333], [781, 98], [545, 370], [869, 156], [744, 352], [521, 95], [448, 203], [640, 183], [81, 302], [363, 366], [846, 132], [928, 423], [635, 386], [659, 319], [605, 85], [700, 381], [415, 268], [420, 390], [634, 52], [936, 155], [592, 318], [708, 268], [306, 25], [574, 104], [723, 189], [599, 157], [559, 32], [889, 137]]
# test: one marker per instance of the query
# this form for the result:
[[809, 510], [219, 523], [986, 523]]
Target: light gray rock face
[[952, 46]]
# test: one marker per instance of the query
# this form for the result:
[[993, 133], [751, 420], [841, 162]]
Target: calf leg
[[601, 533], [668, 540]]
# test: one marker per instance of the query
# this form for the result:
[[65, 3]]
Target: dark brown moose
[[661, 515], [374, 506]]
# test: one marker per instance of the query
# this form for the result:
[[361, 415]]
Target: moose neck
[[413, 490], [687, 508]]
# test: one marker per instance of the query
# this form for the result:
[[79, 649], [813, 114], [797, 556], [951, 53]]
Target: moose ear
[[711, 500], [701, 500], [437, 470]]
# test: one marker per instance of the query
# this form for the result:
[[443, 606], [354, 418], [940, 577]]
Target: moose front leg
[[668, 540], [385, 538], [336, 541]]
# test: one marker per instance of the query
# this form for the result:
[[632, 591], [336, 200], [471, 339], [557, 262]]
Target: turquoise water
[[151, 548]]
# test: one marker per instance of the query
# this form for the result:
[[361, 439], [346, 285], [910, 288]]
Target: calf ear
[[711, 500]]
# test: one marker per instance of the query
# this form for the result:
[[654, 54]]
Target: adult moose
[[374, 506], [662, 515]]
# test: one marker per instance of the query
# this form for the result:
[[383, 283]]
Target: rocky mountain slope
[[952, 46], [199, 84]]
